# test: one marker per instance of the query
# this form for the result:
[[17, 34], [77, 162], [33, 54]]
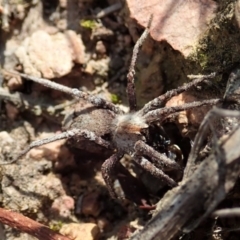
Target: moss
[[56, 226], [219, 48], [115, 99], [90, 24]]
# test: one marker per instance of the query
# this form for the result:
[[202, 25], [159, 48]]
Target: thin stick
[[196, 196], [27, 225], [228, 212], [106, 11], [202, 134]]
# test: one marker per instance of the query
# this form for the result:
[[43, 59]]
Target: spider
[[127, 131]]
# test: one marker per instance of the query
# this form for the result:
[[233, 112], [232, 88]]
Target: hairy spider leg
[[160, 114], [67, 134], [95, 100], [160, 101], [131, 93], [113, 170], [108, 173], [159, 159], [150, 167]]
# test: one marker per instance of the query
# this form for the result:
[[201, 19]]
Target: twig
[[27, 225], [184, 207], [106, 11], [228, 212]]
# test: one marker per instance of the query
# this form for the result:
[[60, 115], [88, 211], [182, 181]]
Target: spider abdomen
[[85, 116]]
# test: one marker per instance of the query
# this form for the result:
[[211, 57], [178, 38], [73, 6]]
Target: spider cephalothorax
[[122, 133], [126, 131]]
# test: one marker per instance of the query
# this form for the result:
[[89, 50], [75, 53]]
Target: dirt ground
[[73, 43], [54, 184]]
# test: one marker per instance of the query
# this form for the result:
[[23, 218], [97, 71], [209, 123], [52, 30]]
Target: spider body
[[86, 116], [105, 125]]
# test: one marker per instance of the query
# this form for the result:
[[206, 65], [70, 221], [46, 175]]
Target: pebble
[[12, 111], [51, 55], [63, 206], [90, 204], [80, 231], [103, 224]]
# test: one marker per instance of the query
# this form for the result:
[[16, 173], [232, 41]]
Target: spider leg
[[67, 134], [160, 114], [108, 172], [132, 188], [131, 72], [150, 167], [95, 100], [160, 160], [161, 100]]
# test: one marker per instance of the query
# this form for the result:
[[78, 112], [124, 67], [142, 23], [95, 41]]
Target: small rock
[[50, 151], [12, 111], [99, 67], [127, 40], [63, 3], [125, 232], [91, 204], [80, 231], [100, 48], [5, 136], [62, 24], [14, 83], [77, 46], [103, 224], [191, 117], [45, 55], [7, 143], [63, 206]]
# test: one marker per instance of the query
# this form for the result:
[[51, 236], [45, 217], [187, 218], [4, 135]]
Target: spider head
[[126, 130]]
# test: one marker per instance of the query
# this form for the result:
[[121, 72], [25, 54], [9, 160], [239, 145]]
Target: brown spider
[[127, 131]]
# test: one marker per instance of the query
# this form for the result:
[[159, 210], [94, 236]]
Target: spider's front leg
[[142, 149]]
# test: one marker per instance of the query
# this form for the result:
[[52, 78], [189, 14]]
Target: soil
[[57, 184]]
